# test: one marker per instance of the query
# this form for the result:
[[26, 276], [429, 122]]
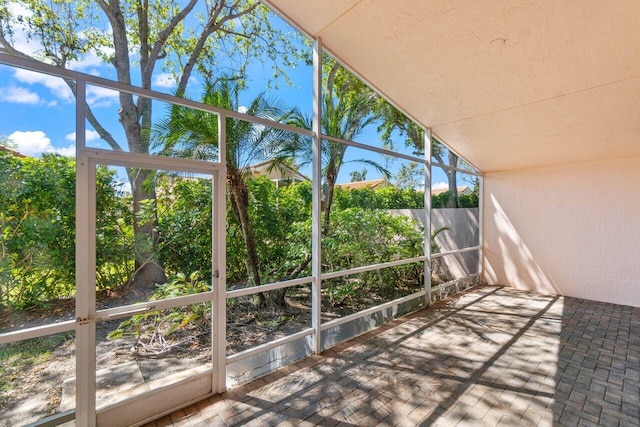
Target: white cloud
[[165, 80], [90, 135], [101, 97], [31, 143], [69, 151], [57, 86], [91, 62], [34, 143], [168, 81], [19, 33], [88, 62], [96, 96], [440, 186], [18, 95], [16, 8]]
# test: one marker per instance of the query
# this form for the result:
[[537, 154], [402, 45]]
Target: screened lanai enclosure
[[196, 196], [255, 272]]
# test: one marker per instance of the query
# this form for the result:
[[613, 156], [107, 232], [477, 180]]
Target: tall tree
[[394, 120], [348, 108], [410, 176], [194, 133], [138, 39]]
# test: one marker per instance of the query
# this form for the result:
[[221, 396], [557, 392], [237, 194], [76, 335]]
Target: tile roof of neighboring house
[[375, 183], [12, 152]]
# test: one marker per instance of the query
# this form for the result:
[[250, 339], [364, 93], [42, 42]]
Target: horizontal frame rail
[[455, 251], [270, 287], [165, 304], [268, 346], [383, 151], [454, 282], [356, 270], [442, 166], [358, 315], [140, 160], [56, 419], [37, 332], [32, 65]]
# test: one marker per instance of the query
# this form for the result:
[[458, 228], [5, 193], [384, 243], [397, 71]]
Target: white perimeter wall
[[571, 230]]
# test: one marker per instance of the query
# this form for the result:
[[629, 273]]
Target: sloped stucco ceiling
[[508, 84]]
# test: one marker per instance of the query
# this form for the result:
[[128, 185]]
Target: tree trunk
[[452, 200], [148, 266], [330, 183], [452, 197], [240, 197]]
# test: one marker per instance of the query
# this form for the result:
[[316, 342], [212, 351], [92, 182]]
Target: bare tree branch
[[164, 35], [212, 26]]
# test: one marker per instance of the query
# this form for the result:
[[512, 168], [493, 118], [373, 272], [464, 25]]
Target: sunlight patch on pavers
[[494, 357], [288, 386]]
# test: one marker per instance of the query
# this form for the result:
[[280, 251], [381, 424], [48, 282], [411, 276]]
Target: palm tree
[[194, 134], [348, 108]]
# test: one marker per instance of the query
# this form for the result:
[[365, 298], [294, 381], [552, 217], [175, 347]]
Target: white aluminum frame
[[316, 202], [427, 214], [87, 160]]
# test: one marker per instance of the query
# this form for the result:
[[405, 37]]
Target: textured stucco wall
[[570, 230]]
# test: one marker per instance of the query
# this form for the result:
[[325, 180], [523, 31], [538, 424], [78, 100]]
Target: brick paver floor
[[491, 356]]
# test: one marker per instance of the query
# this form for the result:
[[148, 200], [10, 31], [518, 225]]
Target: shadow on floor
[[490, 356]]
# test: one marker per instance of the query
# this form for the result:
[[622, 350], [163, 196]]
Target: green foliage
[[176, 318], [179, 286], [363, 237], [194, 133], [37, 229], [283, 238], [185, 221], [114, 232], [395, 121], [278, 215], [38, 224], [384, 198], [37, 214], [464, 201], [410, 175], [358, 175], [275, 213]]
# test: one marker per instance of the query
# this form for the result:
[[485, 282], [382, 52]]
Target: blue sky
[[37, 111]]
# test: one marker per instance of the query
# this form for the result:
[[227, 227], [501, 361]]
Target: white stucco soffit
[[508, 84]]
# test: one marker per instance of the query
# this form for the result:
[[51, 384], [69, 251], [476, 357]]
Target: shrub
[[37, 229]]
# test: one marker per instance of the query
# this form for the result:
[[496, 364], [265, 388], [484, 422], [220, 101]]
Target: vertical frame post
[[219, 254], [427, 219], [316, 215], [85, 271], [481, 225]]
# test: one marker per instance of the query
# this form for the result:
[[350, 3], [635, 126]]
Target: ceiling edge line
[[339, 17], [540, 101]]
